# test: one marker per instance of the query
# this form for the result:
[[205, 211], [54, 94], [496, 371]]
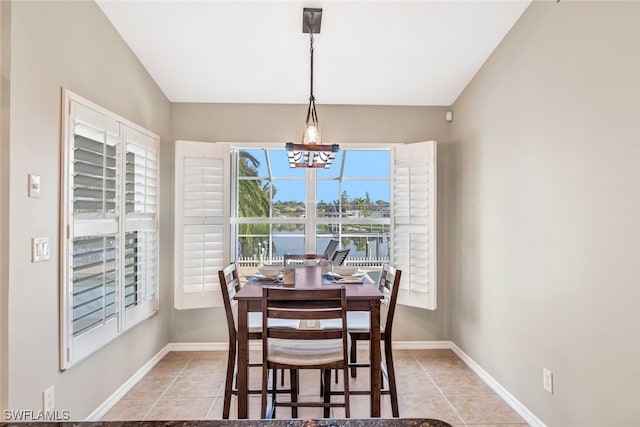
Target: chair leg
[[274, 392], [264, 392], [391, 373], [293, 379], [347, 393], [228, 383], [353, 356], [327, 391]]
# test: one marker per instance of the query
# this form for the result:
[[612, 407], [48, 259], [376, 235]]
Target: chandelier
[[311, 153]]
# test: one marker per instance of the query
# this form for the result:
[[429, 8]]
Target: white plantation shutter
[[141, 238], [201, 223], [414, 234], [109, 262]]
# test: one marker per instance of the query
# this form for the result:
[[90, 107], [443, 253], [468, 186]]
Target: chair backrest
[[310, 306], [339, 256], [230, 285], [389, 284], [301, 258], [331, 246]]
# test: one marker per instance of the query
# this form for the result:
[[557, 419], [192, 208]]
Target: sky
[[366, 165]]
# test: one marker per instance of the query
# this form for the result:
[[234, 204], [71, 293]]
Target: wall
[[546, 236], [341, 124], [5, 60], [71, 45]]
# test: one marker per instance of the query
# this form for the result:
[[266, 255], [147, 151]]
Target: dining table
[[364, 296]]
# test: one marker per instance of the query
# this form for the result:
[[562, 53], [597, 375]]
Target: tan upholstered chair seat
[[356, 321], [254, 322], [304, 352]]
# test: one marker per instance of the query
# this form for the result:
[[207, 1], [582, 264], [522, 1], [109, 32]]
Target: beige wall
[[547, 213], [5, 39], [341, 124], [71, 45]]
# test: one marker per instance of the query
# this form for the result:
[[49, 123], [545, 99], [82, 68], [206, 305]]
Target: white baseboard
[[517, 406], [198, 346], [421, 345]]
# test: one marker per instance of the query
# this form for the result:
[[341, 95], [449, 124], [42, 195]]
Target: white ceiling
[[368, 52]]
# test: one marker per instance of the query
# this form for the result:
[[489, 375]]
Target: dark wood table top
[[307, 278]]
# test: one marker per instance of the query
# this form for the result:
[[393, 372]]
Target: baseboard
[[198, 346], [515, 404], [101, 410], [420, 345]]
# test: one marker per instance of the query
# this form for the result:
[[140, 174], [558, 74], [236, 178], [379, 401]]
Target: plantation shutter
[[202, 190], [109, 227], [141, 238], [414, 233], [92, 270]]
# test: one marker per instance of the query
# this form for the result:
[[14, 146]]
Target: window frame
[[310, 180], [135, 216]]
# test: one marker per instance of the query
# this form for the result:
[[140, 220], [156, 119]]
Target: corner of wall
[[5, 62]]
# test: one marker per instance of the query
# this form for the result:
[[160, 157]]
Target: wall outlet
[[48, 399], [547, 380]]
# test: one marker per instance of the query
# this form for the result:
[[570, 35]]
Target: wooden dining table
[[360, 297]]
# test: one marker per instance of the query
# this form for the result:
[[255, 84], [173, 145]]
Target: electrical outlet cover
[[48, 399]]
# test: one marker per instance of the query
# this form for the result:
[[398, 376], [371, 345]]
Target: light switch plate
[[39, 249], [34, 185]]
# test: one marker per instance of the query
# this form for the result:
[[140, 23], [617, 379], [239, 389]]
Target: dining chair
[[308, 347], [339, 256], [358, 324], [331, 247], [230, 285]]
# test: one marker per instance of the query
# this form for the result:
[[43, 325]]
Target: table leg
[[374, 352], [242, 379]]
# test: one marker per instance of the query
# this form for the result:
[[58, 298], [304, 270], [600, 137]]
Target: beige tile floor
[[431, 384]]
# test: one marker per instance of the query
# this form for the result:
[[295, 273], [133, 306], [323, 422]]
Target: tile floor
[[431, 384]]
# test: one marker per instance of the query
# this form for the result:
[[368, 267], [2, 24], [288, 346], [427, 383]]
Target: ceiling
[[367, 53]]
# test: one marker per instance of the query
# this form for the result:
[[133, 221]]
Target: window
[[280, 210], [109, 273], [376, 202]]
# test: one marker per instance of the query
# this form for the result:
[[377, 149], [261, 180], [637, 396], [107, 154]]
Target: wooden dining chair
[[230, 285], [309, 347], [339, 256], [358, 324]]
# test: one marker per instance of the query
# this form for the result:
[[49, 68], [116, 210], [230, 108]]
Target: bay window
[[379, 202]]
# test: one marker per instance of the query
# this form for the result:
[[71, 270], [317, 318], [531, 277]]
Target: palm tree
[[253, 202]]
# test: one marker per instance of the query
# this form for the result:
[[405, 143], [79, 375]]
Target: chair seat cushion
[[254, 322], [304, 352], [356, 321]]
